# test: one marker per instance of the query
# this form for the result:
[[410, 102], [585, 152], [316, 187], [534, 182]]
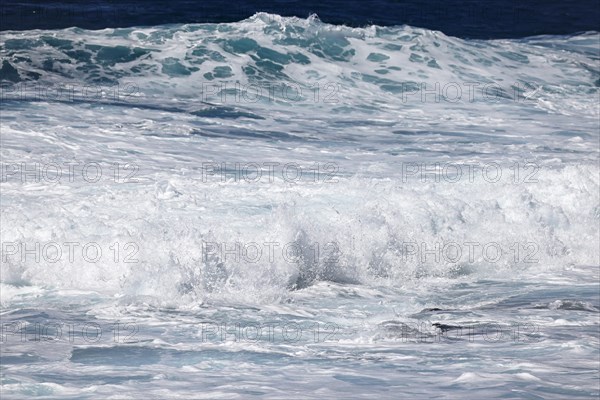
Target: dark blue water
[[466, 18]]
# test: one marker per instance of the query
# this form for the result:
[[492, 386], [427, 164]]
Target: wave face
[[378, 108], [366, 63]]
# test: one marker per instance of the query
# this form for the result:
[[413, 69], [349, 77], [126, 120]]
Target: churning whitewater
[[221, 204]]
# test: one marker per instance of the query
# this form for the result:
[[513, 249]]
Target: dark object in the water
[[445, 327]]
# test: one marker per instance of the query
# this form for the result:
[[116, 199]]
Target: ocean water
[[282, 207]]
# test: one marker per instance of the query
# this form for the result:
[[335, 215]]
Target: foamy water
[[288, 208]]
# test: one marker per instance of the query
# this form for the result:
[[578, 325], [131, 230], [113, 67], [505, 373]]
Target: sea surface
[[283, 207]]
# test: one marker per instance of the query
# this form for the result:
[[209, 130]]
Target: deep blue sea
[[286, 199]]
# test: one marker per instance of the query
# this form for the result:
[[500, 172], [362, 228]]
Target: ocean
[[330, 205]]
